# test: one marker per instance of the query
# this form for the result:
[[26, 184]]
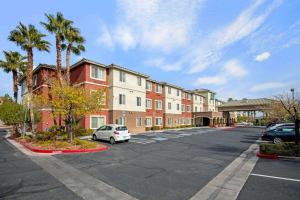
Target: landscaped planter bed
[[281, 150]]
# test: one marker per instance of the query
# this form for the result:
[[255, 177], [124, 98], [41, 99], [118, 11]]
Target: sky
[[239, 49]]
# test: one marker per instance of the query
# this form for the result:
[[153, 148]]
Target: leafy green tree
[[14, 62], [57, 24], [74, 44], [29, 38]]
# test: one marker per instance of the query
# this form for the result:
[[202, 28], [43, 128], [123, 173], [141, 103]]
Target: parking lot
[[168, 165]]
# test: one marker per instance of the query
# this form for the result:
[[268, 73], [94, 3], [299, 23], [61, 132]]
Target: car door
[[101, 132], [108, 132]]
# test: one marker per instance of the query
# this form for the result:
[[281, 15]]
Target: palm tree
[[74, 44], [29, 38], [14, 62], [57, 25]]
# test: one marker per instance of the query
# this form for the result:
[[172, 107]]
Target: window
[[183, 95], [158, 121], [138, 101], [178, 93], [148, 122], [97, 72], [139, 81], [158, 105], [96, 121], [189, 96], [122, 76], [158, 88], [34, 80], [178, 107], [169, 90], [102, 100], [182, 108], [148, 86], [169, 106], [122, 121], [188, 108], [195, 97], [196, 109], [170, 121], [122, 99], [148, 103], [138, 121]]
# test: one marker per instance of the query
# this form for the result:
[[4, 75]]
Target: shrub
[[84, 143], [148, 128], [155, 128], [282, 149], [82, 132]]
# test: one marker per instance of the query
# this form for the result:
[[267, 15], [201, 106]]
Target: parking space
[[273, 179], [171, 165]]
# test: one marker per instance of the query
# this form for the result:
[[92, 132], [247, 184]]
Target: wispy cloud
[[162, 64], [152, 24], [231, 69], [268, 86], [263, 56]]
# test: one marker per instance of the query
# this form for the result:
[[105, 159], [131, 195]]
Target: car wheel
[[126, 140], [112, 140], [94, 137], [277, 140]]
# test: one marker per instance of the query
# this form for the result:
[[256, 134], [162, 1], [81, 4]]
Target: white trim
[[96, 116], [150, 121], [99, 79], [161, 121], [160, 88], [276, 177], [150, 89], [150, 104], [136, 120], [88, 82], [160, 104]]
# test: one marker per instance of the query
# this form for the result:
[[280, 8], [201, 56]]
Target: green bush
[[77, 132], [282, 149], [148, 128], [155, 128], [85, 144]]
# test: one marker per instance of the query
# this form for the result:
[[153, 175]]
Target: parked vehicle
[[280, 134], [244, 124], [274, 126], [112, 133]]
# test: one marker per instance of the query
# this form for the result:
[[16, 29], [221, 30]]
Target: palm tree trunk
[[29, 85], [58, 58], [68, 52], [15, 82]]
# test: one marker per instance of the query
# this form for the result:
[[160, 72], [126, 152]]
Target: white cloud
[[105, 37], [263, 56], [161, 64], [153, 24], [268, 86], [231, 69], [209, 51]]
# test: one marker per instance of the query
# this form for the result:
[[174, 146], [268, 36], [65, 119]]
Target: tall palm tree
[[14, 62], [74, 44], [29, 38], [57, 25]]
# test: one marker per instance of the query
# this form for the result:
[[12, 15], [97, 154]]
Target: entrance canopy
[[246, 105]]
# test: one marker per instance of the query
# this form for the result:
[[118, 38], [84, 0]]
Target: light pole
[[295, 117], [293, 94]]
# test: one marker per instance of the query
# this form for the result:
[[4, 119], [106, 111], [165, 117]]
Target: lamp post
[[293, 94], [295, 117]]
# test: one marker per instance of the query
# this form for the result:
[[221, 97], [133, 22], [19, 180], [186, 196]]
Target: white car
[[112, 133]]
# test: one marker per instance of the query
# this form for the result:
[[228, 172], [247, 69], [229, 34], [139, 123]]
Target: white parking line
[[276, 177]]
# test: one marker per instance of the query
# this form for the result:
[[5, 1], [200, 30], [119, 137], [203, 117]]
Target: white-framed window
[[158, 121], [183, 95], [188, 108], [138, 122], [178, 107], [157, 88], [138, 101], [158, 104], [169, 90], [122, 99], [178, 92], [182, 108], [122, 77], [34, 80], [170, 121], [149, 103], [97, 72], [196, 109], [148, 86], [196, 97], [148, 121], [139, 81], [96, 121], [122, 121], [169, 106], [189, 96]]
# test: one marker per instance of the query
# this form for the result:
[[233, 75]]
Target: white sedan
[[112, 133]]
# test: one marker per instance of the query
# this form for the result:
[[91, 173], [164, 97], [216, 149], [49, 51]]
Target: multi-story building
[[172, 108], [131, 98], [154, 104]]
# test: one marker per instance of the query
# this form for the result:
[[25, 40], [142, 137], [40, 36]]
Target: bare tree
[[288, 107]]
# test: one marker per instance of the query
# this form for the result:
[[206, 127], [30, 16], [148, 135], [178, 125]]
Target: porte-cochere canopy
[[261, 104]]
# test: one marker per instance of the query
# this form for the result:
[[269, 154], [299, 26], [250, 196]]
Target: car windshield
[[121, 128]]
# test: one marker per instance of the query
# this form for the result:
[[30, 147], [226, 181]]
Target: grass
[[282, 149]]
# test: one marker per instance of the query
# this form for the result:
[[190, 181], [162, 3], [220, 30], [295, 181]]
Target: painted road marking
[[141, 141], [276, 177], [159, 138], [185, 134]]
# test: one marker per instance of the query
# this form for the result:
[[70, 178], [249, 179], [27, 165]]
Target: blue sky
[[236, 48]]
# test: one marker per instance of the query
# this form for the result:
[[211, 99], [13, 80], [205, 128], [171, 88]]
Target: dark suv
[[280, 134]]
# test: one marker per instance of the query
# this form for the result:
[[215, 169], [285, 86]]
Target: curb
[[66, 151], [228, 129], [267, 156]]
